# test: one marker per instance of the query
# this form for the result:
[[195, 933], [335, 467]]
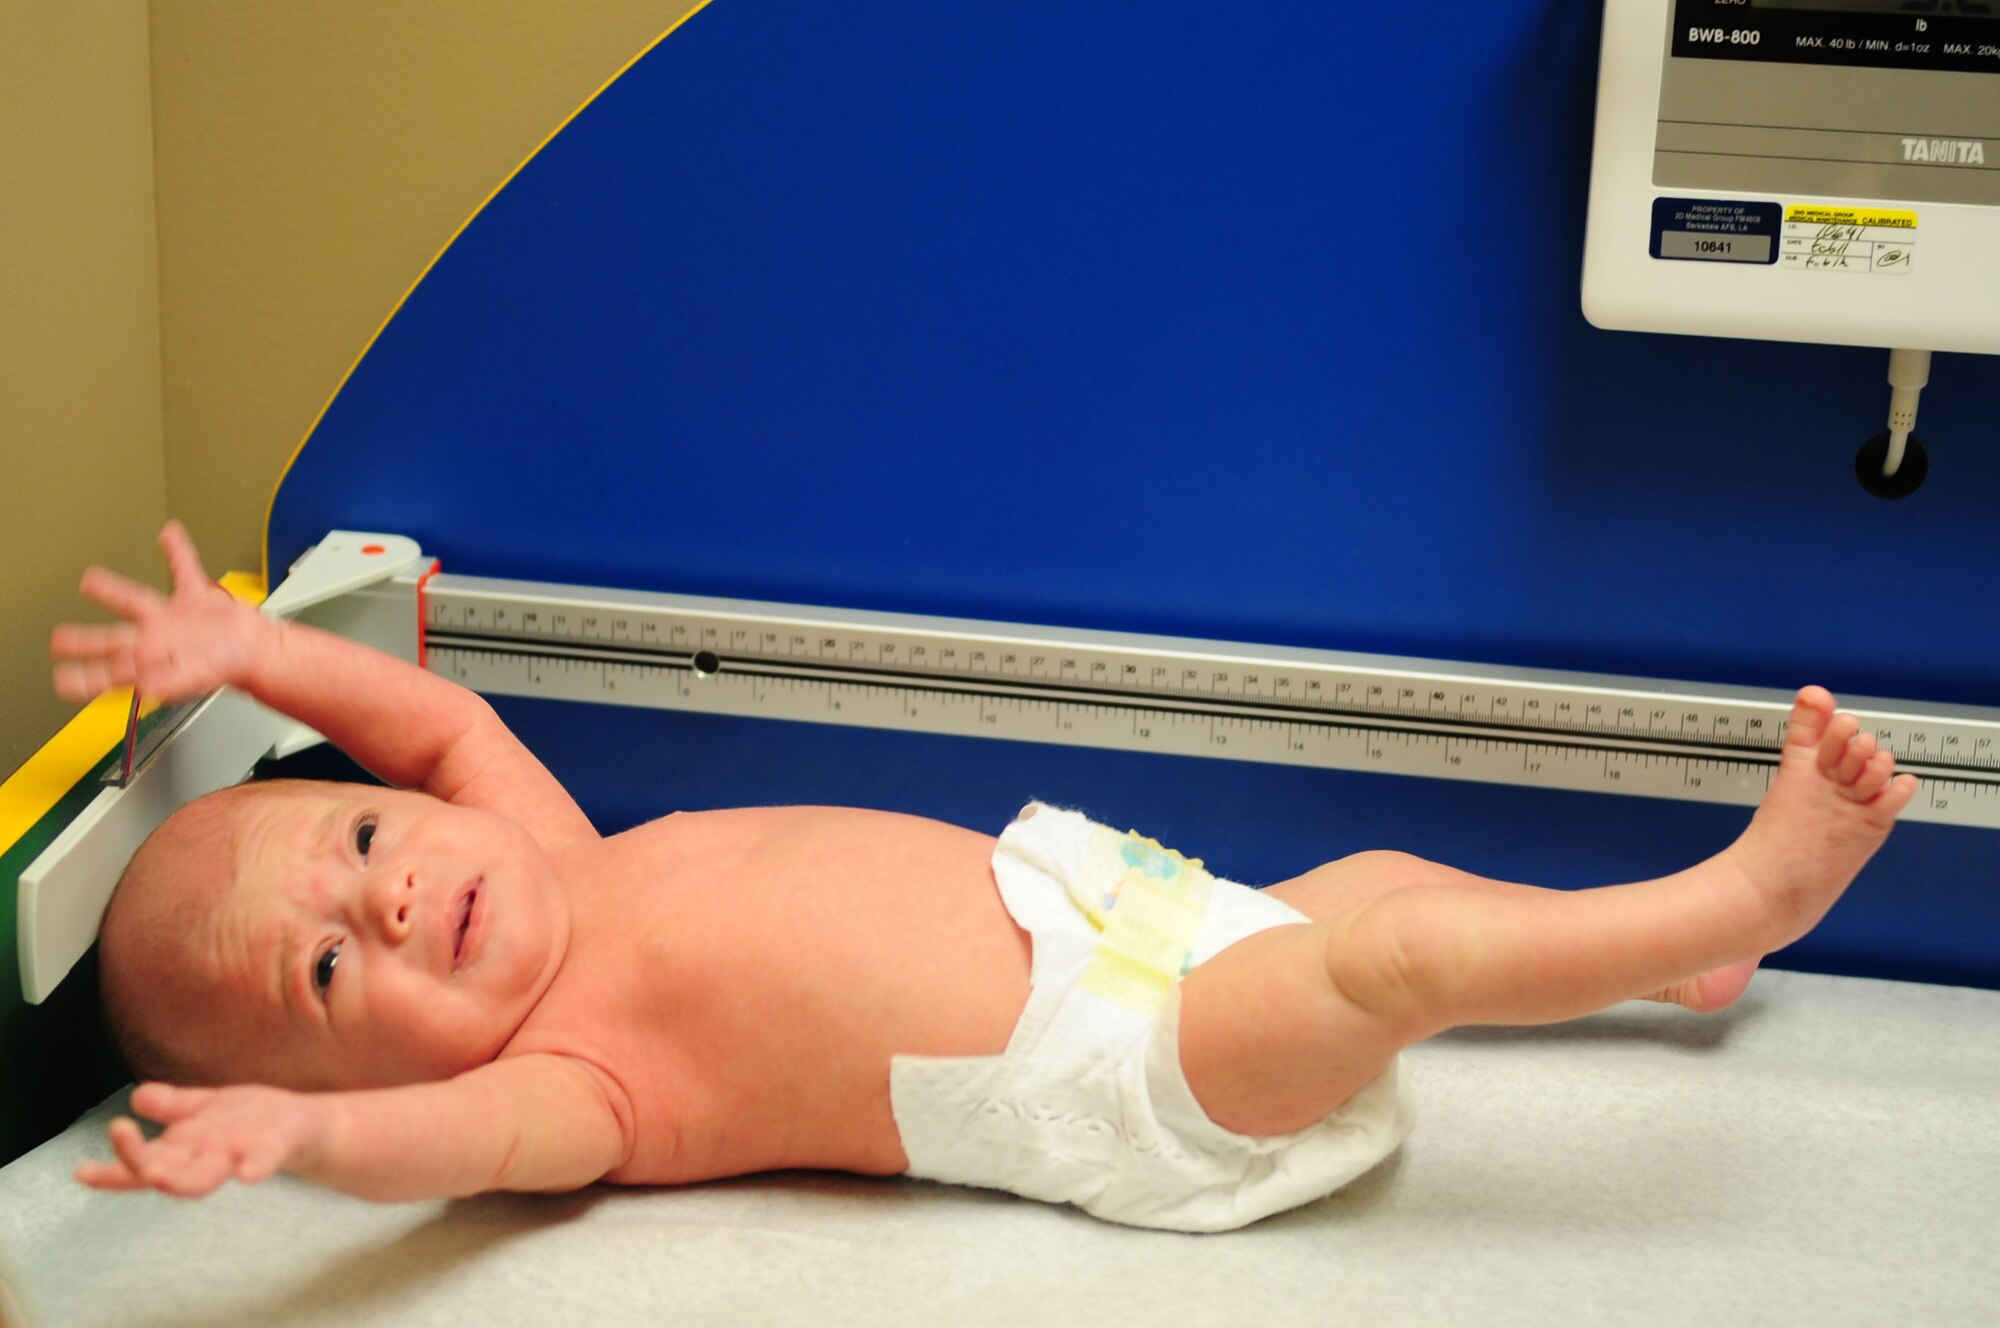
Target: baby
[[454, 984]]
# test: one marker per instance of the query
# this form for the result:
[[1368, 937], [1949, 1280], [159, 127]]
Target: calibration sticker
[[1819, 238]]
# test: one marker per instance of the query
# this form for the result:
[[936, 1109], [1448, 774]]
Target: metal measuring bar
[[1169, 695]]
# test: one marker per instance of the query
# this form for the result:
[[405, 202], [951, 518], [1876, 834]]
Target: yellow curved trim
[[265, 544], [79, 745]]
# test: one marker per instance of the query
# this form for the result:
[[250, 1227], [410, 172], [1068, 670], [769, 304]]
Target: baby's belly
[[788, 955]]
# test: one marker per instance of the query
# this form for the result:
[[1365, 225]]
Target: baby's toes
[[1854, 762], [1897, 796], [1872, 778], [1840, 731], [1811, 710]]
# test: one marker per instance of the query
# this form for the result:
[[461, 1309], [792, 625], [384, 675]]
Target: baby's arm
[[410, 727], [532, 1122]]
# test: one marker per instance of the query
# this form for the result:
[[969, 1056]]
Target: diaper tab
[[1147, 901]]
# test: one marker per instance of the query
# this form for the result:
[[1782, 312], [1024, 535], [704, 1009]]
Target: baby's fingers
[[87, 641], [93, 659], [166, 1104], [182, 559], [130, 1145], [108, 1176], [181, 1167], [80, 682], [122, 595]]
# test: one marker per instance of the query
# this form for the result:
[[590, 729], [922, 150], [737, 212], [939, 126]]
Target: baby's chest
[[738, 1053], [767, 909]]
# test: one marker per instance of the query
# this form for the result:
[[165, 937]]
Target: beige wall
[[206, 210], [81, 445]]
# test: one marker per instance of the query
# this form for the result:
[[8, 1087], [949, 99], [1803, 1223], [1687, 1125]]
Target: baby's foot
[[1832, 803]]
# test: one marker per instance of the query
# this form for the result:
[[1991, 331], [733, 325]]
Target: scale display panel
[[1879, 99]]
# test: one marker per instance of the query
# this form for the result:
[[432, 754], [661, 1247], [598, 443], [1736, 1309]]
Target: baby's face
[[372, 936]]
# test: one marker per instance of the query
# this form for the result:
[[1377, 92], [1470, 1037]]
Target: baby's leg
[[1281, 1028], [1342, 886]]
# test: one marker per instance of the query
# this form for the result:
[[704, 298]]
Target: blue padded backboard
[[1255, 323]]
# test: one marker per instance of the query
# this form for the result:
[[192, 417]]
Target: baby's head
[[321, 936]]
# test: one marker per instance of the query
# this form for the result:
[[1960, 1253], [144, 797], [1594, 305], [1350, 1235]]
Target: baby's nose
[[395, 895]]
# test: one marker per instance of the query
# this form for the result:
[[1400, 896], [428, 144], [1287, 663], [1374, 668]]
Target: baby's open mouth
[[462, 925]]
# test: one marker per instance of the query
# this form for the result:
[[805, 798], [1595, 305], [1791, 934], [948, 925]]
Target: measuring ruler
[[1168, 695]]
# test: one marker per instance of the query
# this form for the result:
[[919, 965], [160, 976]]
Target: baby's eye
[[323, 967], [364, 836]]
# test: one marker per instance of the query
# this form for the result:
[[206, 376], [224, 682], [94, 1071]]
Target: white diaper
[[1088, 1104]]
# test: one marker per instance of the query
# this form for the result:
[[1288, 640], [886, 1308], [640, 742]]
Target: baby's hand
[[169, 647], [246, 1131]]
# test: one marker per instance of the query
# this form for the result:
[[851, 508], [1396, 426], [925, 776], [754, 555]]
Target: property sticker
[[1715, 230], [1821, 238]]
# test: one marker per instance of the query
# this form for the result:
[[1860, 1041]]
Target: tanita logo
[[1945, 151]]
